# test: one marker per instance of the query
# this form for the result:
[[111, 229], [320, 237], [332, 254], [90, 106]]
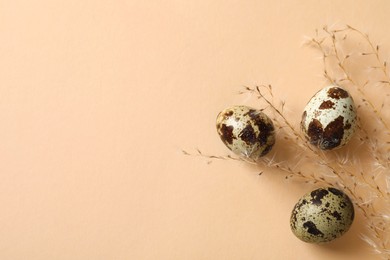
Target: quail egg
[[322, 215], [246, 131], [329, 118]]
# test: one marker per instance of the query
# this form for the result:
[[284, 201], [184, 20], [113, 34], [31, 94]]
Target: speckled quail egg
[[246, 131], [329, 119], [322, 215]]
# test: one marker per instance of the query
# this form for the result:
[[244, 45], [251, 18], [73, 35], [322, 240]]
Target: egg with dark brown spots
[[322, 215], [329, 118], [246, 131]]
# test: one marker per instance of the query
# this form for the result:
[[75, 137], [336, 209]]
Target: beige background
[[97, 99]]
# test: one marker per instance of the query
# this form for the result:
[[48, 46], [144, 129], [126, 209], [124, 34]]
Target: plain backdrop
[[97, 99]]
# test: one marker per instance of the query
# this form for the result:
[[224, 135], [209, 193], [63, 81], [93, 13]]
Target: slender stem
[[350, 79]]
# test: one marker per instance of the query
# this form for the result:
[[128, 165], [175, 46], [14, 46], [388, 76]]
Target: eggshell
[[329, 118], [246, 131], [322, 215]]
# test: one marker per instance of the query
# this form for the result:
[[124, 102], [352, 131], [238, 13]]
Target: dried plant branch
[[218, 157]]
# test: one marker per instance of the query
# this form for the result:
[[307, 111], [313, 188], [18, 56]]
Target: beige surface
[[98, 97]]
